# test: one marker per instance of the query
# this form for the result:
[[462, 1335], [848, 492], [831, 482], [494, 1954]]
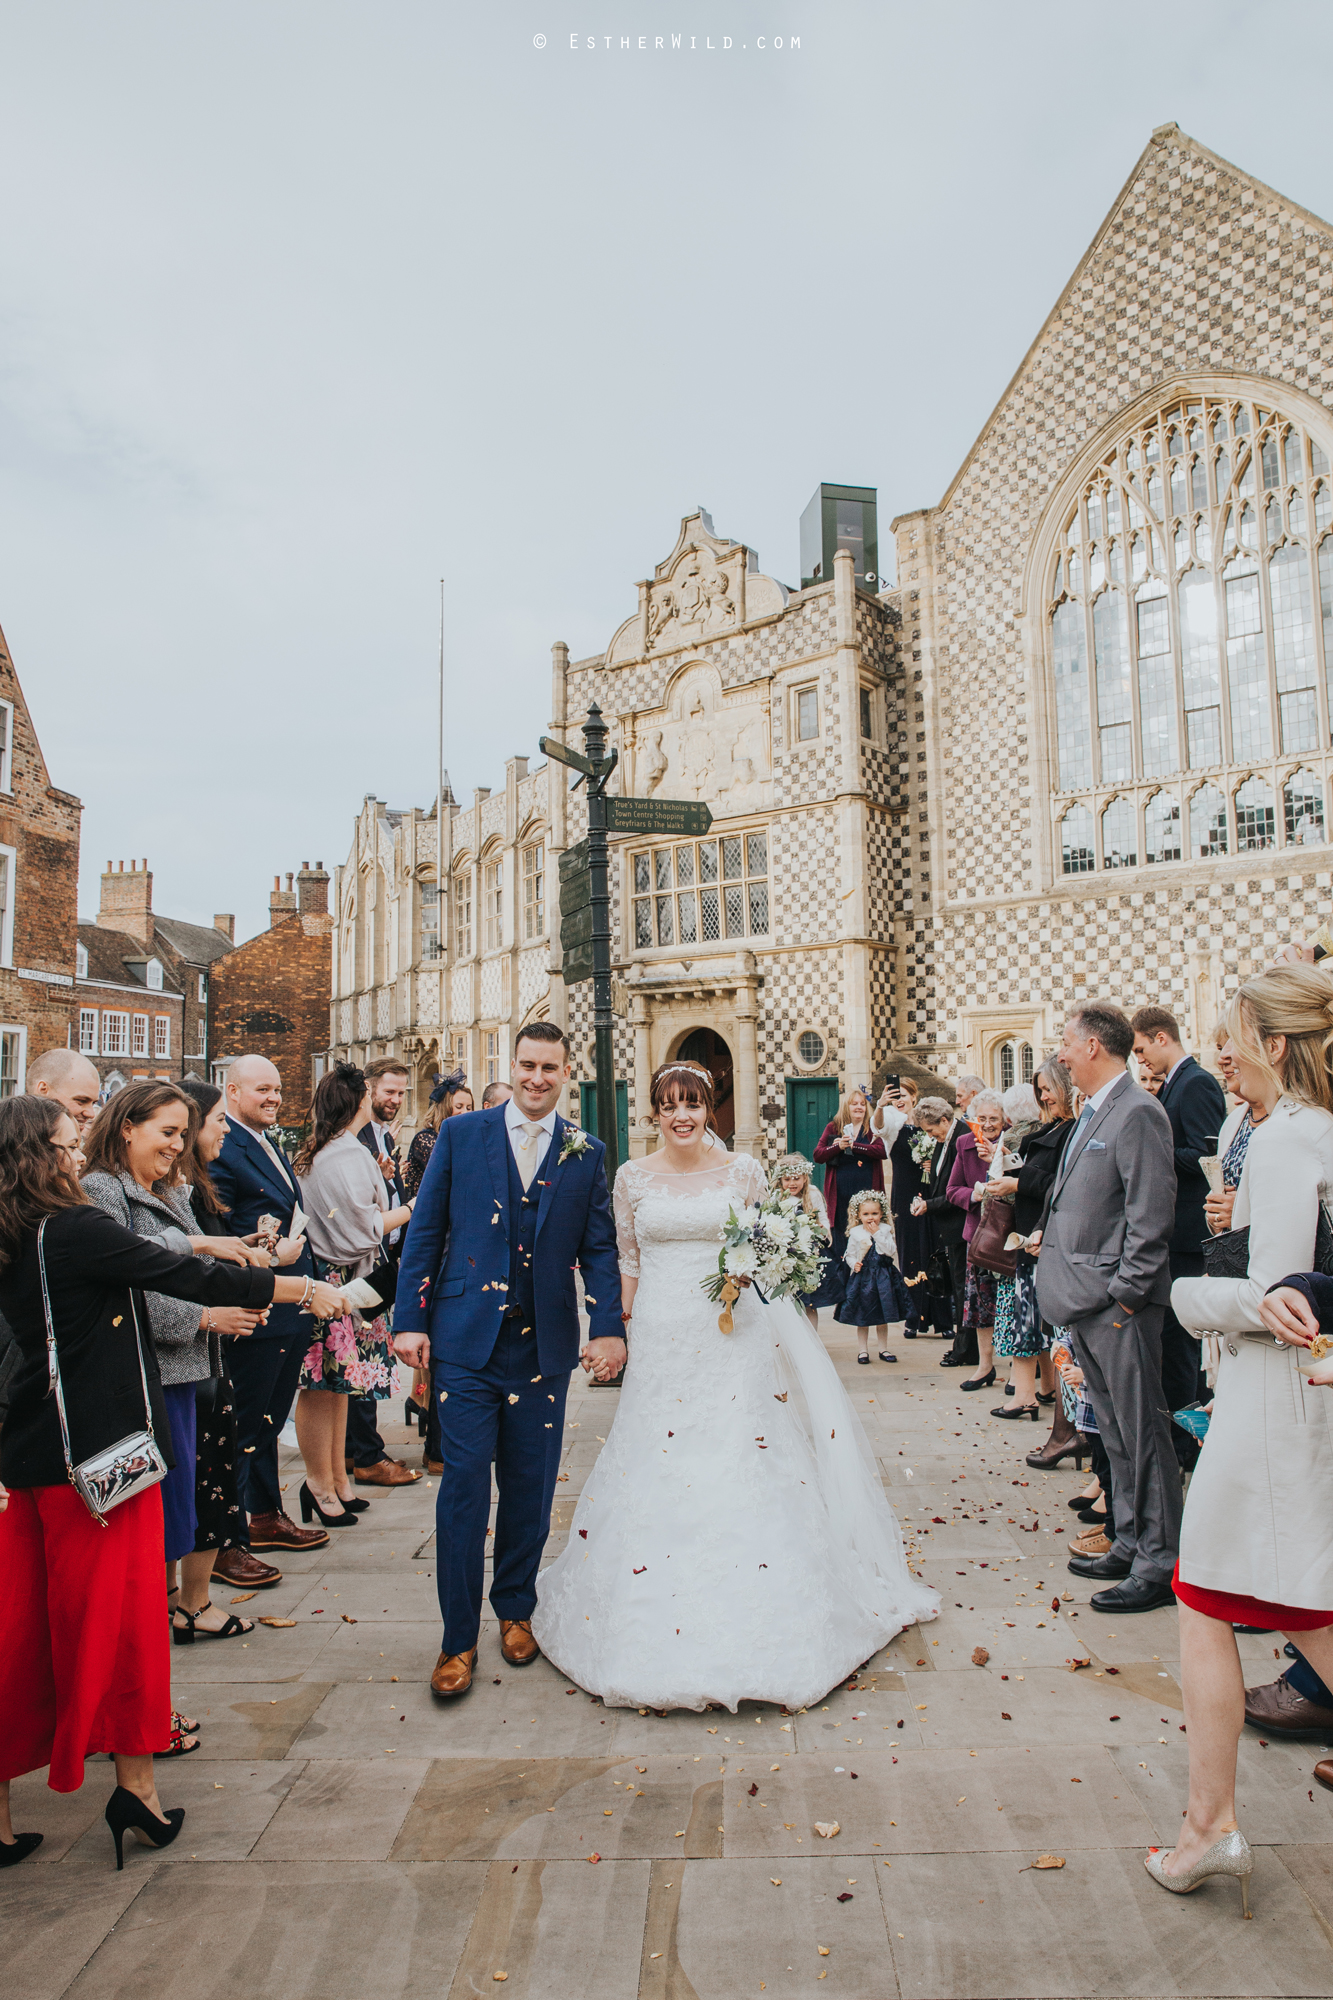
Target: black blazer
[[947, 1220], [249, 1184], [93, 1269], [397, 1192], [1042, 1151], [1194, 1102]]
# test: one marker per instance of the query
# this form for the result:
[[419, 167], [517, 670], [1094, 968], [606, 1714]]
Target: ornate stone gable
[[706, 589]]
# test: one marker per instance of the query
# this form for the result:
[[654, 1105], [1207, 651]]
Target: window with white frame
[[6, 746], [87, 1031], [463, 913], [139, 1035], [430, 921], [867, 712], [203, 989], [13, 1053], [493, 903], [805, 714], [115, 1032], [81, 961], [161, 1036], [534, 889], [1190, 619], [699, 891], [202, 1026], [153, 975], [8, 859], [492, 1056]]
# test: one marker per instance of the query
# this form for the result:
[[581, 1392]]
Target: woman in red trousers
[[84, 1665]]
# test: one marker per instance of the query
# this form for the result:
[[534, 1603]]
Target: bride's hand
[[603, 1358]]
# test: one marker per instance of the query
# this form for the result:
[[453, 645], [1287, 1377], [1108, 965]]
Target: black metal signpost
[[585, 896]]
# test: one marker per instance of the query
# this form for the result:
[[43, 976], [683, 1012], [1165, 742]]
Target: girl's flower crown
[[858, 1201]]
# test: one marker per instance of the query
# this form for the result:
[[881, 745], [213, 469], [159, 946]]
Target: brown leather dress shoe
[[238, 1566], [435, 1465], [1279, 1711], [1323, 1771], [453, 1673], [1093, 1543], [387, 1473], [276, 1531], [517, 1643]]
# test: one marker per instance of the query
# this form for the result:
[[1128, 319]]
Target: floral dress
[[343, 1195], [351, 1355]]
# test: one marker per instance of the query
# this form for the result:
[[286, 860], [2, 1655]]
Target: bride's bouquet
[[774, 1244]]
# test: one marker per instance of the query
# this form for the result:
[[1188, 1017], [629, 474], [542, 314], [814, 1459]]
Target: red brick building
[[270, 996], [39, 885], [163, 966]]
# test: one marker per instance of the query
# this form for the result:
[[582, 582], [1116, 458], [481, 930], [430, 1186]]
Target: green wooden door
[[811, 1102], [588, 1113]]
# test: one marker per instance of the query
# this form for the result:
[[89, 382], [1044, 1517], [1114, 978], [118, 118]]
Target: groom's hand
[[603, 1358], [413, 1348]]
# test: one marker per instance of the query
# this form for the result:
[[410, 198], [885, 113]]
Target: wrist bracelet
[[307, 1294], [206, 1323]]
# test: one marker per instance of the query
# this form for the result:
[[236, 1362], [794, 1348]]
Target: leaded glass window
[[1191, 631], [701, 891]]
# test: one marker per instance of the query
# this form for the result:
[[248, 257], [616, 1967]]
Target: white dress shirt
[[516, 1118], [381, 1133]]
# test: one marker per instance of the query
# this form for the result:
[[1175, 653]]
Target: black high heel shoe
[[356, 1505], [981, 1382], [124, 1811], [309, 1506], [1015, 1412], [13, 1851], [1047, 1400]]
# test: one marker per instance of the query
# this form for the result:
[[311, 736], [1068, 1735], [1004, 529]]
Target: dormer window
[[153, 975]]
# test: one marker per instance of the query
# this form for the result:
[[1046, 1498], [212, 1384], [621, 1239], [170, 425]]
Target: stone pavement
[[336, 1845]]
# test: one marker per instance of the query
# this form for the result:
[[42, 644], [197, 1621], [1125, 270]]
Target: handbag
[[122, 1470], [986, 1251], [1228, 1255]]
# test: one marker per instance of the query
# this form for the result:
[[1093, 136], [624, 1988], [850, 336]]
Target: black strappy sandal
[[185, 1635], [181, 1741]]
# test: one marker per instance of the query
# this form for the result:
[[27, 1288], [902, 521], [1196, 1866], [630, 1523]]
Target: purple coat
[[968, 1169]]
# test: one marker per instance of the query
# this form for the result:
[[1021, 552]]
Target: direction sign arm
[[574, 758]]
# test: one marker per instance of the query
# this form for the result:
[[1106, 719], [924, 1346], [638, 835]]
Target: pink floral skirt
[[352, 1356]]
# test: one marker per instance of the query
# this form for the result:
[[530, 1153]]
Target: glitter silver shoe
[[1231, 1855]]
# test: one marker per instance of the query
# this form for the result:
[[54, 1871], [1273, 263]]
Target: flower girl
[[791, 1176], [876, 1294]]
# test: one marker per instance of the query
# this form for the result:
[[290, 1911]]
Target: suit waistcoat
[[522, 1238]]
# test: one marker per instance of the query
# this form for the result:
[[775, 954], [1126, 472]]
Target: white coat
[[1259, 1512]]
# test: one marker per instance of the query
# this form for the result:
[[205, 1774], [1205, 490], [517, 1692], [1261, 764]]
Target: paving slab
[[55, 1919], [556, 1928], [1277, 1799], [736, 1925], [564, 1808], [353, 1809]]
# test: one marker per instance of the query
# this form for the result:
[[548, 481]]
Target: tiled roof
[[118, 957], [198, 944]]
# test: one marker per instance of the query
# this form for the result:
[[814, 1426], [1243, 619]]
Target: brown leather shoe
[[238, 1566], [1279, 1711], [387, 1473], [276, 1531], [1093, 1543], [453, 1673], [1323, 1771], [517, 1643], [435, 1465]]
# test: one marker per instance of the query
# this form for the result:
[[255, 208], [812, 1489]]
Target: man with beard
[[369, 1460]]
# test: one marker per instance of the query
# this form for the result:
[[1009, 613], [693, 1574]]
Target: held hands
[[1218, 1209], [603, 1358], [413, 1349], [1288, 1316]]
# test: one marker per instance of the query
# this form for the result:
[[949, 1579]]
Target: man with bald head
[[253, 1176], [69, 1078]]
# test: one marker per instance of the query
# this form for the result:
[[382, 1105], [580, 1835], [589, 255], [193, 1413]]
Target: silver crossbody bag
[[122, 1470]]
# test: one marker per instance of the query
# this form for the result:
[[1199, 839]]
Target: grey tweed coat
[[184, 1353]]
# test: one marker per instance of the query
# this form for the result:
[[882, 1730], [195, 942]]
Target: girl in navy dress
[[876, 1295], [791, 1176]]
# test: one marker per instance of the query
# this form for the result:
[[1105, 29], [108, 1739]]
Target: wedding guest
[[910, 1151], [73, 1082], [1042, 1153], [367, 1456], [852, 1156], [875, 1295], [937, 1118], [449, 1098], [1193, 1101], [346, 1203], [495, 1093], [977, 1151], [83, 1645], [1103, 1273], [791, 1176], [254, 1178], [964, 1090], [1021, 1335], [1256, 1543], [223, 1533], [132, 1154]]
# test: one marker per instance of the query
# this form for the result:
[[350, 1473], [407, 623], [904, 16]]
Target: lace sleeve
[[622, 1204], [749, 1178]]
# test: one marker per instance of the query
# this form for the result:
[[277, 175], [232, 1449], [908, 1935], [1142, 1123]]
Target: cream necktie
[[275, 1157], [525, 1152]]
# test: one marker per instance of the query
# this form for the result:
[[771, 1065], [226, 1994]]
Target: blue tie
[[1084, 1119]]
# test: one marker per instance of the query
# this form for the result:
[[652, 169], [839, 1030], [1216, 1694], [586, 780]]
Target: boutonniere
[[573, 1144]]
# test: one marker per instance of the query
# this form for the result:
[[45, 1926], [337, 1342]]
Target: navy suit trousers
[[265, 1375], [497, 1413]]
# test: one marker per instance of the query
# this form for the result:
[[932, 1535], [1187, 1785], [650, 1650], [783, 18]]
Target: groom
[[511, 1200]]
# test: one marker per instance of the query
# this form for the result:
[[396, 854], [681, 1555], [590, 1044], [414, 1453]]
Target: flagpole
[[440, 905]]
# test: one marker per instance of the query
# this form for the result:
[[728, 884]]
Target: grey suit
[[1104, 1271]]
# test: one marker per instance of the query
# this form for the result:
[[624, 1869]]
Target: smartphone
[[892, 1082]]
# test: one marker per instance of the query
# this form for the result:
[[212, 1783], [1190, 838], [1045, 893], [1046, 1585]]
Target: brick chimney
[[226, 923], [127, 901], [281, 902], [312, 890]]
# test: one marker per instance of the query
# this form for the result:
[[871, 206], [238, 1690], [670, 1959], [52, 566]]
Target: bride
[[733, 1541]]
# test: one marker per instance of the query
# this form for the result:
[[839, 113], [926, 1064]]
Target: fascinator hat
[[445, 1085]]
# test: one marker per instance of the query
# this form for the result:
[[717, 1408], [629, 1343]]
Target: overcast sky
[[305, 305]]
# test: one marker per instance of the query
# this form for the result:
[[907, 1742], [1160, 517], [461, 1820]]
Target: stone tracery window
[[1190, 612]]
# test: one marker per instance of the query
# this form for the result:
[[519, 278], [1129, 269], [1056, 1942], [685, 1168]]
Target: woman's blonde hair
[[1295, 1001], [845, 1108]]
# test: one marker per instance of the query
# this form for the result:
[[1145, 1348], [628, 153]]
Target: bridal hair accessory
[[687, 1069], [445, 1084]]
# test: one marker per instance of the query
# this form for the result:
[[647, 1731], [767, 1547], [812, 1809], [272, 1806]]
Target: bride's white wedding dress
[[733, 1541]]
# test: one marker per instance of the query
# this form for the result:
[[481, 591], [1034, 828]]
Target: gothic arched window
[[1190, 614]]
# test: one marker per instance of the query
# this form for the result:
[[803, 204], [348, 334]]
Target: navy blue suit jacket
[[455, 1266], [1194, 1102], [250, 1185]]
